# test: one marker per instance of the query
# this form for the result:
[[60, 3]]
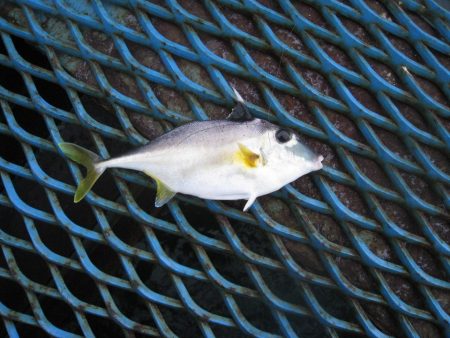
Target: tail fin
[[87, 159]]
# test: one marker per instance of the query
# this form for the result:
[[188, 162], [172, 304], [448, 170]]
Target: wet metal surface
[[359, 248]]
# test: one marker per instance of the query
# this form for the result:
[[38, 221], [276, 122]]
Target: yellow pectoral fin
[[247, 157], [163, 193]]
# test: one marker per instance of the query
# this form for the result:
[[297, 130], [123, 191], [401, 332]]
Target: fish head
[[286, 156]]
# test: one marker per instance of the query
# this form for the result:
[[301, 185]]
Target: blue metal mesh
[[361, 247]]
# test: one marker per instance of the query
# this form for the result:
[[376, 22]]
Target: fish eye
[[283, 135]]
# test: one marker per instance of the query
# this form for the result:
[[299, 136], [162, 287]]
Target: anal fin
[[163, 192]]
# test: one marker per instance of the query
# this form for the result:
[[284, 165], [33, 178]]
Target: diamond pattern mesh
[[360, 248]]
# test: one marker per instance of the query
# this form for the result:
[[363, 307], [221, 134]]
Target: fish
[[240, 157]]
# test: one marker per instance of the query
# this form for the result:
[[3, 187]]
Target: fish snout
[[318, 162]]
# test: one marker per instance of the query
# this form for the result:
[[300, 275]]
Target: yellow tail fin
[[88, 159]]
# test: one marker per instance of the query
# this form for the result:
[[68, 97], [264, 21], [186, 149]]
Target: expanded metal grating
[[360, 248]]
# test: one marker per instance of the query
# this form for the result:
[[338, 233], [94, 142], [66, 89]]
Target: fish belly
[[227, 182]]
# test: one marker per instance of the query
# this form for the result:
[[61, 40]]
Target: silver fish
[[238, 158]]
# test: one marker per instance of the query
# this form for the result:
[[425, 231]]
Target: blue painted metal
[[372, 274]]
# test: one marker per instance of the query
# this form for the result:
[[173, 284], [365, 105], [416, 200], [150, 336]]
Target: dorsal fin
[[240, 112]]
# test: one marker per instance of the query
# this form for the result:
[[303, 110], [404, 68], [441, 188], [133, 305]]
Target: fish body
[[218, 160]]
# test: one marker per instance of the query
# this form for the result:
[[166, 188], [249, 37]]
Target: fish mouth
[[318, 162]]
